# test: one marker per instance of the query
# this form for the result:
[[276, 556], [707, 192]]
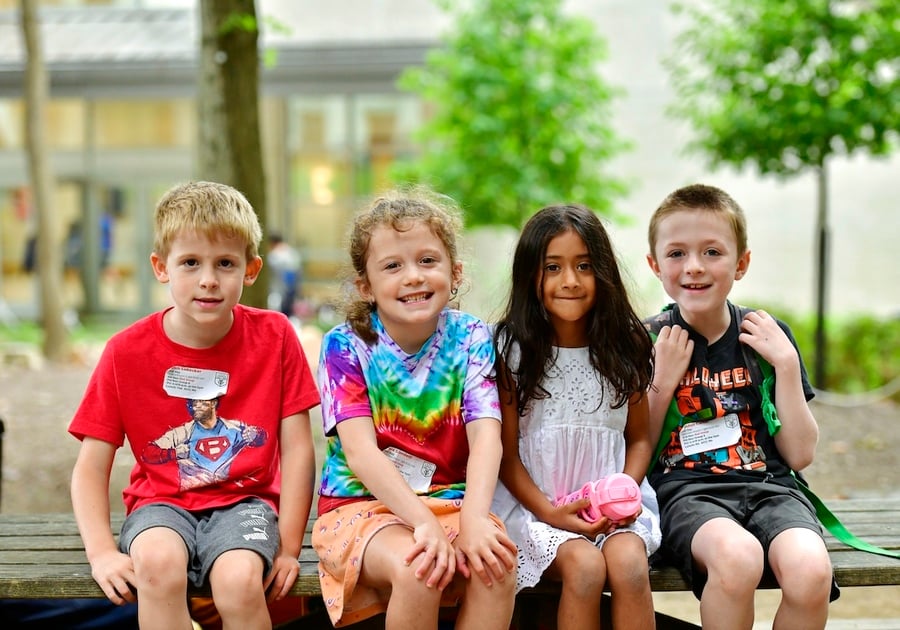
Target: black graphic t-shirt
[[722, 430]]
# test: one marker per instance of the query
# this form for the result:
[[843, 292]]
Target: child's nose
[[208, 278], [694, 263]]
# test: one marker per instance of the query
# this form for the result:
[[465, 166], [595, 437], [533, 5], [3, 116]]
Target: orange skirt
[[340, 538]]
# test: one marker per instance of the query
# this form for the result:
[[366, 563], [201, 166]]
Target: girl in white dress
[[576, 363]]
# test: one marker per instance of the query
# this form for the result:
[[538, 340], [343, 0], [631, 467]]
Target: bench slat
[[41, 555]]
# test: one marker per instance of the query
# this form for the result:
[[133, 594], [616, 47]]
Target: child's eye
[[190, 262], [712, 252], [675, 254], [227, 264], [551, 267], [428, 260], [392, 265], [585, 266]]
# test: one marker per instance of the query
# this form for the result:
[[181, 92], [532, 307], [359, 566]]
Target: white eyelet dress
[[566, 440]]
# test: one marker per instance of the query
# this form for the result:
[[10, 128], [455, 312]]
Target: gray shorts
[[763, 509], [251, 524]]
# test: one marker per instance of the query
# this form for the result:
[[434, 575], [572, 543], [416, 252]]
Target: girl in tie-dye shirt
[[411, 412]]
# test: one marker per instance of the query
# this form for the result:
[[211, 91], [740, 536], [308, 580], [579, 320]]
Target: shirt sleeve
[[342, 384], [480, 396]]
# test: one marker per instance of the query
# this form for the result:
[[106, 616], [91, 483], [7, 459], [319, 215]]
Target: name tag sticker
[[699, 437], [416, 471], [194, 383]]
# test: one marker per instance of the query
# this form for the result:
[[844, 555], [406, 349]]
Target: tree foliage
[[784, 84], [520, 116]]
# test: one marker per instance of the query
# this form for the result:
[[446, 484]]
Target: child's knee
[[237, 574], [155, 559], [583, 572]]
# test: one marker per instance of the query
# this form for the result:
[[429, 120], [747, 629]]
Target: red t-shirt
[[194, 454]]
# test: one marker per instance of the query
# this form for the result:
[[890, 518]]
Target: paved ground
[[855, 458]]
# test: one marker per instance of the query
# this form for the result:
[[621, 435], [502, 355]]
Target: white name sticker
[[416, 471], [196, 384], [698, 437]]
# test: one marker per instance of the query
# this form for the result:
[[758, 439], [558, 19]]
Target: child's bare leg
[[629, 582], [412, 604], [582, 570], [800, 562], [160, 567], [486, 607], [733, 560], [236, 579]]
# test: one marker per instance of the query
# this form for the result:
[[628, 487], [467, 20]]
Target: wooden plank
[[41, 555]]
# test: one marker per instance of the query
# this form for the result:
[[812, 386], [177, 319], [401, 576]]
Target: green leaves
[[784, 84], [520, 116]]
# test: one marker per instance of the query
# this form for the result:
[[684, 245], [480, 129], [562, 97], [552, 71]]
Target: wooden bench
[[41, 556]]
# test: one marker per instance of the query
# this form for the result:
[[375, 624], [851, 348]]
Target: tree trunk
[[822, 246], [49, 259], [230, 148]]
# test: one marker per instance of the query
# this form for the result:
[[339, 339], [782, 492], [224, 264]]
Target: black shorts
[[763, 509]]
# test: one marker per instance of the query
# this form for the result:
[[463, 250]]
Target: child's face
[[567, 287], [409, 275], [697, 260], [206, 279]]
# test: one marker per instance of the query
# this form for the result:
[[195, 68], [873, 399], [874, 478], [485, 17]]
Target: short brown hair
[[701, 197]]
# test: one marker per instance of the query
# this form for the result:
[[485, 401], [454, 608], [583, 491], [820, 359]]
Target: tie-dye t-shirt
[[419, 403]]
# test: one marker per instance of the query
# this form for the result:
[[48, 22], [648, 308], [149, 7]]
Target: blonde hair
[[703, 198], [208, 208], [400, 210]]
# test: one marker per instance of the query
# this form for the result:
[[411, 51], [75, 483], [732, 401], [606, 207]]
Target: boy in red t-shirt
[[213, 398]]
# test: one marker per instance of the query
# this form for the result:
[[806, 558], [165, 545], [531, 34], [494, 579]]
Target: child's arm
[[638, 446], [518, 480], [111, 569], [385, 482], [483, 547], [799, 432], [671, 355], [298, 473]]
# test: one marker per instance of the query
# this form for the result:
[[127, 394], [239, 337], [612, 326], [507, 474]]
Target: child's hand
[[625, 522], [569, 517], [114, 573], [278, 583], [484, 549], [437, 558], [760, 331], [672, 354]]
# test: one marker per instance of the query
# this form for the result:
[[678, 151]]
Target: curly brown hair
[[398, 209]]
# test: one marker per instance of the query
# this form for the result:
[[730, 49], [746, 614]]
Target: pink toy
[[616, 497]]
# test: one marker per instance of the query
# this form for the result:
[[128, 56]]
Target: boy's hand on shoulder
[[285, 569], [761, 331], [484, 549], [114, 573], [672, 354]]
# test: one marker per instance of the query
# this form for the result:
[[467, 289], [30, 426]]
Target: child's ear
[[251, 273], [457, 274], [159, 268], [743, 264], [365, 291], [653, 266]]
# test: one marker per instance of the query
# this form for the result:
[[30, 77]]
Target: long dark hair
[[619, 347]]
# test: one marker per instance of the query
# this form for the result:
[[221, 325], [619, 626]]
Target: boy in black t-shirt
[[730, 508]]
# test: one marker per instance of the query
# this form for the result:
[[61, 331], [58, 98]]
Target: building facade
[[122, 128]]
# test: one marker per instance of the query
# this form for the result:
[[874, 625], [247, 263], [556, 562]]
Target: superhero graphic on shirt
[[205, 447], [698, 402]]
